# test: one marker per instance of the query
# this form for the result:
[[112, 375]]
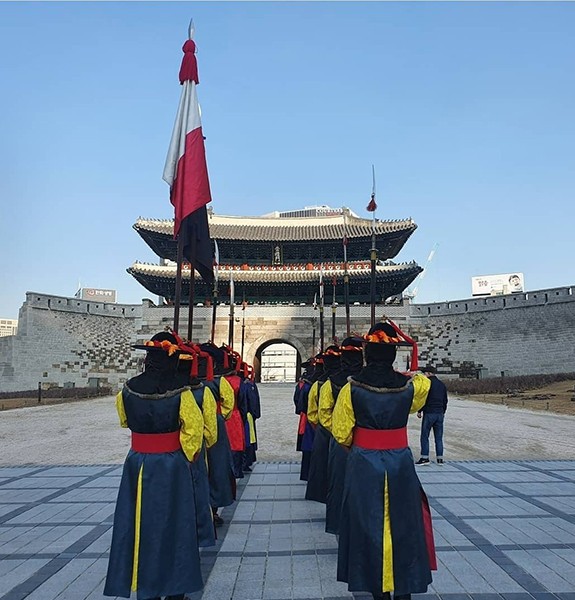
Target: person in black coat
[[433, 413]]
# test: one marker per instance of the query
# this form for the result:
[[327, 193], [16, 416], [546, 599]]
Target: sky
[[465, 109]]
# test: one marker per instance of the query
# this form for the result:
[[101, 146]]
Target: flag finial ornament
[[189, 68]]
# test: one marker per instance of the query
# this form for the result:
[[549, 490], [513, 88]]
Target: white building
[[8, 327], [278, 363]]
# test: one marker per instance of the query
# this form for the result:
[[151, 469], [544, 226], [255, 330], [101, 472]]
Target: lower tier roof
[[275, 285]]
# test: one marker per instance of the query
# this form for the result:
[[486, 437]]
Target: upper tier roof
[[274, 229]]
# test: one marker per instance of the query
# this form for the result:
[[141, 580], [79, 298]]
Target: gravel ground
[[88, 432]]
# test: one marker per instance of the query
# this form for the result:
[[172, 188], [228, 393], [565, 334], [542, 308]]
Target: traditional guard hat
[[384, 333], [162, 341]]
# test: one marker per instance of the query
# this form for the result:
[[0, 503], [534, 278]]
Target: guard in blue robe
[[385, 535], [154, 551]]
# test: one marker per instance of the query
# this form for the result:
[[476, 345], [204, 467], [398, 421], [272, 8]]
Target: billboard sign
[[98, 295], [497, 285]]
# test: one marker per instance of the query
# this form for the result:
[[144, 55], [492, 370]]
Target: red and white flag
[[186, 171]]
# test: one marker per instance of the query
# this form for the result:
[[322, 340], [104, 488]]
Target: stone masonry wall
[[69, 341], [521, 334]]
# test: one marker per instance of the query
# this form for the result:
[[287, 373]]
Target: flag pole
[[178, 294], [373, 252], [185, 171], [215, 290], [231, 318], [346, 280], [333, 312], [321, 307]]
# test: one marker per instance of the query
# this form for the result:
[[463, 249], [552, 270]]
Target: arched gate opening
[[277, 360]]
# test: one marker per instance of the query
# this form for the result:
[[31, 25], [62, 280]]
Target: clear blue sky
[[467, 111]]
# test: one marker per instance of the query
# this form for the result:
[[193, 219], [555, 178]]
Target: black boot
[[402, 597], [382, 596]]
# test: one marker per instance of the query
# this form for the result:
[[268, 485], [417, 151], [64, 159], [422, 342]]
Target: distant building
[[8, 327], [278, 363], [96, 295]]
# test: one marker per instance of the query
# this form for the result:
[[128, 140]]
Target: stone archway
[[261, 345]]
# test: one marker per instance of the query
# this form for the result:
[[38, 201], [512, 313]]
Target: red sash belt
[[156, 443], [302, 423], [219, 407], [380, 439]]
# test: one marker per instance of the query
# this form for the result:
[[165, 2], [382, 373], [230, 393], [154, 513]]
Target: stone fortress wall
[[66, 341]]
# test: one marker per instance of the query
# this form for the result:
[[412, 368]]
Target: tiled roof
[[279, 274], [332, 227]]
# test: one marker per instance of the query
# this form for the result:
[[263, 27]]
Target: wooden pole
[[214, 309], [191, 303], [215, 290], [231, 318], [373, 252], [178, 293], [346, 289], [373, 259], [243, 325], [333, 313], [321, 307]]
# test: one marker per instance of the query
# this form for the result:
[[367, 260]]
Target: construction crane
[[412, 293]]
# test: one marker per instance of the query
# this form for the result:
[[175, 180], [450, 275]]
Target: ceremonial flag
[[186, 171]]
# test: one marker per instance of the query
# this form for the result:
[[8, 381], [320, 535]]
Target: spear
[[215, 290], [371, 207], [231, 322], [244, 304], [333, 311], [321, 307], [313, 323], [346, 280]]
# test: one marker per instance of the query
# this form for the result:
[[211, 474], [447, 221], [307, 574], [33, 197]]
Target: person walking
[[386, 538], [433, 413]]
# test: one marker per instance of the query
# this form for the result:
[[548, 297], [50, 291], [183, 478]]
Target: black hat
[[384, 333], [164, 341], [351, 344]]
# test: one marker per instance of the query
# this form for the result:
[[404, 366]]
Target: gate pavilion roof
[[240, 239], [286, 283]]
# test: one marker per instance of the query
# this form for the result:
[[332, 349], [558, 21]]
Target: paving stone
[[498, 536]]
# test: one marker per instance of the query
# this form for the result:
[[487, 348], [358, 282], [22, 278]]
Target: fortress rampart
[[67, 341]]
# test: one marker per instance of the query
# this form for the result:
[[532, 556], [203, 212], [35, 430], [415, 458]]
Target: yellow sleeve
[[121, 410], [209, 411], [326, 403], [312, 403], [227, 397], [421, 385], [343, 418], [191, 425]]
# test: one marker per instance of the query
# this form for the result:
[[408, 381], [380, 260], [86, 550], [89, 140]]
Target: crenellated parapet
[[66, 341]]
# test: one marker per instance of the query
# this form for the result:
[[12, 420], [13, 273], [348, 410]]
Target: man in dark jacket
[[433, 413]]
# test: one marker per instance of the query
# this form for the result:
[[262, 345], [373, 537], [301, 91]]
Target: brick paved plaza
[[504, 525]]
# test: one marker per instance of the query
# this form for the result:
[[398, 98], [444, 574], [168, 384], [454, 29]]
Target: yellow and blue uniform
[[385, 542], [155, 519]]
